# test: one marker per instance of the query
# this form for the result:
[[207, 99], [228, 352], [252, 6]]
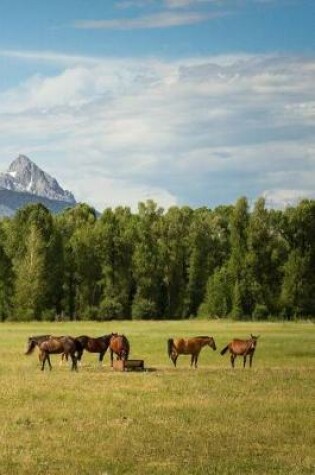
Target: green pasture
[[213, 420]]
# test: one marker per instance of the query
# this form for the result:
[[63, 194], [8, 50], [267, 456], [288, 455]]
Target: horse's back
[[185, 345], [239, 346], [60, 344]]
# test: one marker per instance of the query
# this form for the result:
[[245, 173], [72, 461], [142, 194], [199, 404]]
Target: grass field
[[213, 420]]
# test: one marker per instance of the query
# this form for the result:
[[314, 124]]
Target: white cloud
[[192, 131], [164, 19], [117, 192], [283, 198]]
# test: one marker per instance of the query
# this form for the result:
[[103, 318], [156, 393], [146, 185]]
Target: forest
[[238, 261]]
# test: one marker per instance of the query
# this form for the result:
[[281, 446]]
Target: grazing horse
[[93, 345], [190, 346], [54, 345], [242, 348], [119, 345]]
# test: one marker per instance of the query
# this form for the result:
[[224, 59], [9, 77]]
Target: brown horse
[[119, 345], [190, 346], [54, 345], [93, 345], [242, 348], [34, 341]]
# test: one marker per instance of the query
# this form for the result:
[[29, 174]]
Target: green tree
[[218, 301], [147, 266], [174, 248], [6, 280], [81, 263], [30, 284], [116, 242], [298, 285], [241, 296]]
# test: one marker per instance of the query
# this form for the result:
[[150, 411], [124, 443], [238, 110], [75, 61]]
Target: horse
[[36, 340], [93, 345], [33, 341], [242, 348], [54, 345], [190, 346], [119, 345]]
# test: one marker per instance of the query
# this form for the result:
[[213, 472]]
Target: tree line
[[232, 261]]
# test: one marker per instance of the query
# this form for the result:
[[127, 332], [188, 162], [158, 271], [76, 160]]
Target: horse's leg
[[74, 362], [196, 358], [244, 361], [174, 359], [111, 357], [43, 359], [251, 359], [192, 359], [79, 354], [48, 359], [102, 353], [232, 360]]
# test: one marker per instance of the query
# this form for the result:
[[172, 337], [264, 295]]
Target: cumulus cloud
[[195, 131]]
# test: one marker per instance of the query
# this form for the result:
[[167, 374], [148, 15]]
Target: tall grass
[[213, 420]]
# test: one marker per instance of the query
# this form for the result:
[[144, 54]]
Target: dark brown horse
[[54, 345], [93, 345], [242, 348], [190, 346], [119, 345]]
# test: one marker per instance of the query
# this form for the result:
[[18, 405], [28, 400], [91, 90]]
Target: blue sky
[[191, 102]]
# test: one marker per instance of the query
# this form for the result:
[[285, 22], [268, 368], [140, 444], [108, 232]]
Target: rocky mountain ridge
[[25, 183], [25, 176]]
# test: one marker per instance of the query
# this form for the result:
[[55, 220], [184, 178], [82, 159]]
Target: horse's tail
[[170, 342], [224, 350]]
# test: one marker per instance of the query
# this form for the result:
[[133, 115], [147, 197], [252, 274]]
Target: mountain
[[25, 182]]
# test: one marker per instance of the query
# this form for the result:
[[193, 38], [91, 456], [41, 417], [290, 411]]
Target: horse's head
[[253, 340], [211, 343]]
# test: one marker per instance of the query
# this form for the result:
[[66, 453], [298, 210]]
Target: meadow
[[166, 420]]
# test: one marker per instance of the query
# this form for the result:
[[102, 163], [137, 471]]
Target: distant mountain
[[25, 182]]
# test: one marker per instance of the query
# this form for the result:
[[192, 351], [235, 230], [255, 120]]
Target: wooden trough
[[128, 365]]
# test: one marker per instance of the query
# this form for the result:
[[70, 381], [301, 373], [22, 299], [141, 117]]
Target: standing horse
[[190, 346], [119, 345], [34, 341], [242, 348], [54, 345], [93, 345]]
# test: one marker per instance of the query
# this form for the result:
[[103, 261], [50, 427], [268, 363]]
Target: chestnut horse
[[119, 345], [242, 348], [190, 346], [54, 345], [93, 345]]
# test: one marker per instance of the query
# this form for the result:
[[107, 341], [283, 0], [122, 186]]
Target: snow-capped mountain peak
[[23, 175]]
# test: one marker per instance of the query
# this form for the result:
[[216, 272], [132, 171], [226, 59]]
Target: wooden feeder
[[128, 365]]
